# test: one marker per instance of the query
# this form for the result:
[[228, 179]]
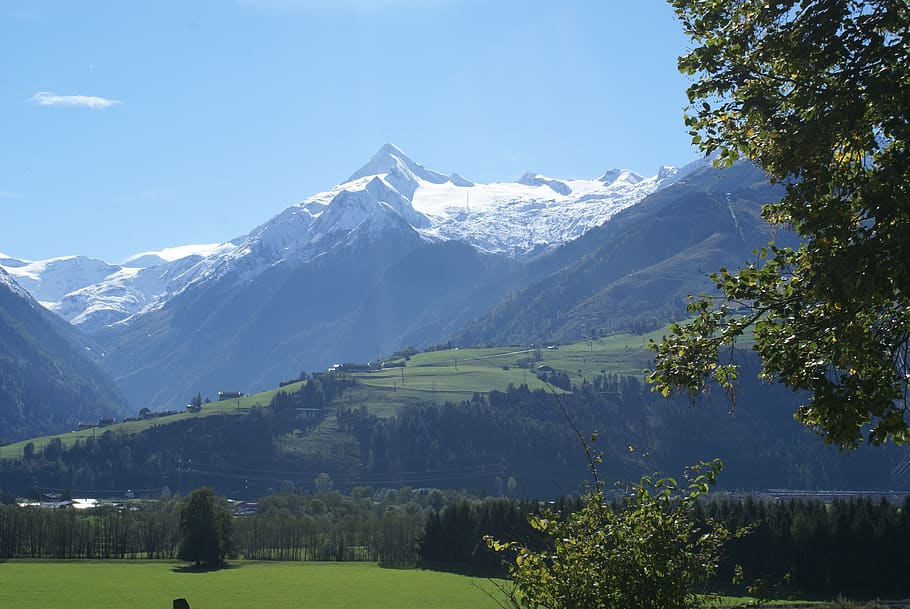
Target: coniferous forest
[[514, 443]]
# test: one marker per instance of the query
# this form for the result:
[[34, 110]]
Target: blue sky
[[134, 126]]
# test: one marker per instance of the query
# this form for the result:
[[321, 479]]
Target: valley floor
[[245, 585]]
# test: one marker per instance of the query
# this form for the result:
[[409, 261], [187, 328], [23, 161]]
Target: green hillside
[[456, 374], [241, 405], [442, 376], [457, 418]]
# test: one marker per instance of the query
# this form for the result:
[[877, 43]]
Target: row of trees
[[855, 546], [362, 526], [388, 537], [368, 525], [852, 545], [105, 532]]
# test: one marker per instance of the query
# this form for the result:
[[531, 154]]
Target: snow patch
[[170, 254]]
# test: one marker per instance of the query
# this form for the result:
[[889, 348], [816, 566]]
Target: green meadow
[[246, 585], [456, 374], [252, 585]]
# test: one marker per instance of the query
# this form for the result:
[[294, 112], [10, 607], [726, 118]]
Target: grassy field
[[456, 374], [249, 585]]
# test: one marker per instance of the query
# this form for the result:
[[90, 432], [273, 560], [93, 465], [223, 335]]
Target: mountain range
[[517, 219], [403, 255]]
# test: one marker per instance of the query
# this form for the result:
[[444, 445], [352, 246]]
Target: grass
[[248, 585], [456, 374]]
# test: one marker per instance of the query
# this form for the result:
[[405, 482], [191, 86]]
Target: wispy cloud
[[22, 13], [5, 194], [43, 98]]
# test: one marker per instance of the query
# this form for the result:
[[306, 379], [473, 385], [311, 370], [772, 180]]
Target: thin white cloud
[[5, 194], [23, 13], [43, 98]]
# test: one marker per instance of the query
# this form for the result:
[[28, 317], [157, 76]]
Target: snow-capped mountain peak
[[50, 280], [391, 160], [389, 194]]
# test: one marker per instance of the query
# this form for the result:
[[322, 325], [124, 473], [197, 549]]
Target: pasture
[[246, 585], [456, 374]]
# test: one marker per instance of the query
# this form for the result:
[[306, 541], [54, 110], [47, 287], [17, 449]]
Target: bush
[[645, 552]]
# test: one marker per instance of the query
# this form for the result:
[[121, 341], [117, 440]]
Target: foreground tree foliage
[[206, 529], [817, 93], [649, 551]]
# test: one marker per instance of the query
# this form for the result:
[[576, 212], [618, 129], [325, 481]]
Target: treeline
[[381, 526], [363, 526], [856, 545], [435, 528], [105, 532], [452, 539]]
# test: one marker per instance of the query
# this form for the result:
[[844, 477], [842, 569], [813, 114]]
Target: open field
[[249, 585], [457, 374]]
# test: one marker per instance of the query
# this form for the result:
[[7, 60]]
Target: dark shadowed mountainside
[[48, 382]]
